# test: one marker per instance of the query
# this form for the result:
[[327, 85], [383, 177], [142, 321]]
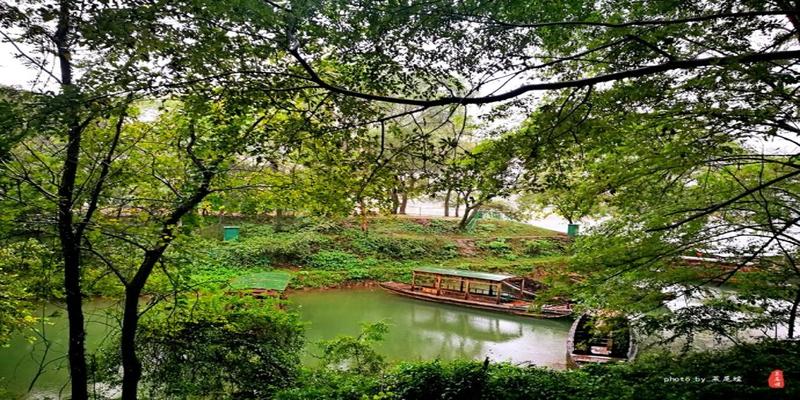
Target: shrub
[[355, 353], [264, 251], [409, 226], [485, 227], [449, 250], [324, 384], [334, 260], [497, 246], [393, 247], [644, 379], [255, 230], [328, 226], [213, 347], [318, 279], [537, 248]]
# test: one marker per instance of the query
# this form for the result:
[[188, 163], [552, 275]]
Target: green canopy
[[486, 276], [273, 280]]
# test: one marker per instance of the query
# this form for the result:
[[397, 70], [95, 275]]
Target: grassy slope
[[327, 254]]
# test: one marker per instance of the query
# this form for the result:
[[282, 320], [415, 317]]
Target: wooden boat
[[487, 291], [585, 345]]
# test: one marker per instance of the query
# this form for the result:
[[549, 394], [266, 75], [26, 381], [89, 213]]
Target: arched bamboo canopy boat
[[600, 339]]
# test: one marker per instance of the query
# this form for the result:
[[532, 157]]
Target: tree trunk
[[465, 219], [69, 238], [395, 201], [447, 203], [458, 203], [403, 203], [77, 334], [131, 366], [363, 215], [793, 314]]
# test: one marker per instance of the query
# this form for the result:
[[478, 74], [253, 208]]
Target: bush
[[370, 271], [328, 226], [318, 279], [334, 260], [394, 247], [255, 230], [432, 380], [449, 250], [324, 384], [442, 226], [497, 246], [485, 227], [536, 248], [644, 379], [214, 347], [265, 251], [355, 353]]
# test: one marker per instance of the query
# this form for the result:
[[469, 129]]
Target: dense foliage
[[215, 346], [143, 114], [739, 373]]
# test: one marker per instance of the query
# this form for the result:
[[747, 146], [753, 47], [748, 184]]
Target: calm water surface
[[44, 360], [418, 330], [421, 330]]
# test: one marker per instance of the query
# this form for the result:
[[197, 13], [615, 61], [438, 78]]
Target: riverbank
[[339, 255]]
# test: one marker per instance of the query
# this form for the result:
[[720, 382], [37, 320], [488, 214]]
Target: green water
[[421, 330], [44, 359], [418, 331]]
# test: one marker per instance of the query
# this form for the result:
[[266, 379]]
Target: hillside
[[328, 254]]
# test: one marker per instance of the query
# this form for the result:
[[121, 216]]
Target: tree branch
[[749, 58]]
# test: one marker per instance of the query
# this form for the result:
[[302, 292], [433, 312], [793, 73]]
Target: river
[[29, 353], [418, 330]]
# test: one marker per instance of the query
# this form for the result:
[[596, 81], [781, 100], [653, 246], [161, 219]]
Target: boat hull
[[403, 289]]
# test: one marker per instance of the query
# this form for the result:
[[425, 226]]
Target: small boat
[[483, 290], [600, 339]]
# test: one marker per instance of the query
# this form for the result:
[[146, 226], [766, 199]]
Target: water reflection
[[419, 331], [423, 331]]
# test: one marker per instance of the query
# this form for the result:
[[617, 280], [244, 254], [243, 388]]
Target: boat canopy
[[271, 280], [461, 273]]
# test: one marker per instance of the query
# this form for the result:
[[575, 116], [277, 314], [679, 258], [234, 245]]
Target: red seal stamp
[[776, 379]]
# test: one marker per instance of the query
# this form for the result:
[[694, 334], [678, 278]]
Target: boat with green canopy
[[485, 290]]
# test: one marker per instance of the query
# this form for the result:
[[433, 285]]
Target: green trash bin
[[230, 233], [572, 230]]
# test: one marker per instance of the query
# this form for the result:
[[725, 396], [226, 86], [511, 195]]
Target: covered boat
[[488, 291], [600, 339]]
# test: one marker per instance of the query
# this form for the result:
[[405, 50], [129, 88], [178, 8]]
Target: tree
[[355, 354], [486, 172], [59, 29], [557, 163], [580, 44], [141, 180], [301, 57], [702, 187], [215, 345]]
